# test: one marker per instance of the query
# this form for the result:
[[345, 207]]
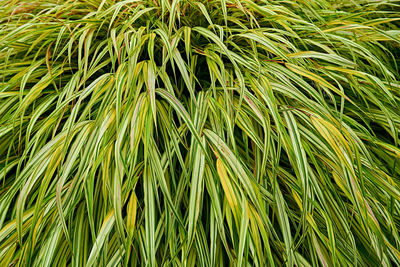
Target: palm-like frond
[[209, 133]]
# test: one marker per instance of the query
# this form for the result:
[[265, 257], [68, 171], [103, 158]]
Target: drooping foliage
[[199, 133]]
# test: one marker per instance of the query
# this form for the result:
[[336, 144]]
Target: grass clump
[[199, 133]]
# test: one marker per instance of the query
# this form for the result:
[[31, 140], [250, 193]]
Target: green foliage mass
[[199, 133]]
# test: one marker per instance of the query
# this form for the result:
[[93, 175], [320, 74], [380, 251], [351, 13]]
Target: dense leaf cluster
[[199, 133]]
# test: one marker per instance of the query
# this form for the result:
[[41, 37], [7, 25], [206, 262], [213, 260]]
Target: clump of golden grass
[[199, 133]]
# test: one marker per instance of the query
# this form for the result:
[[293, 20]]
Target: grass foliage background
[[199, 133]]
